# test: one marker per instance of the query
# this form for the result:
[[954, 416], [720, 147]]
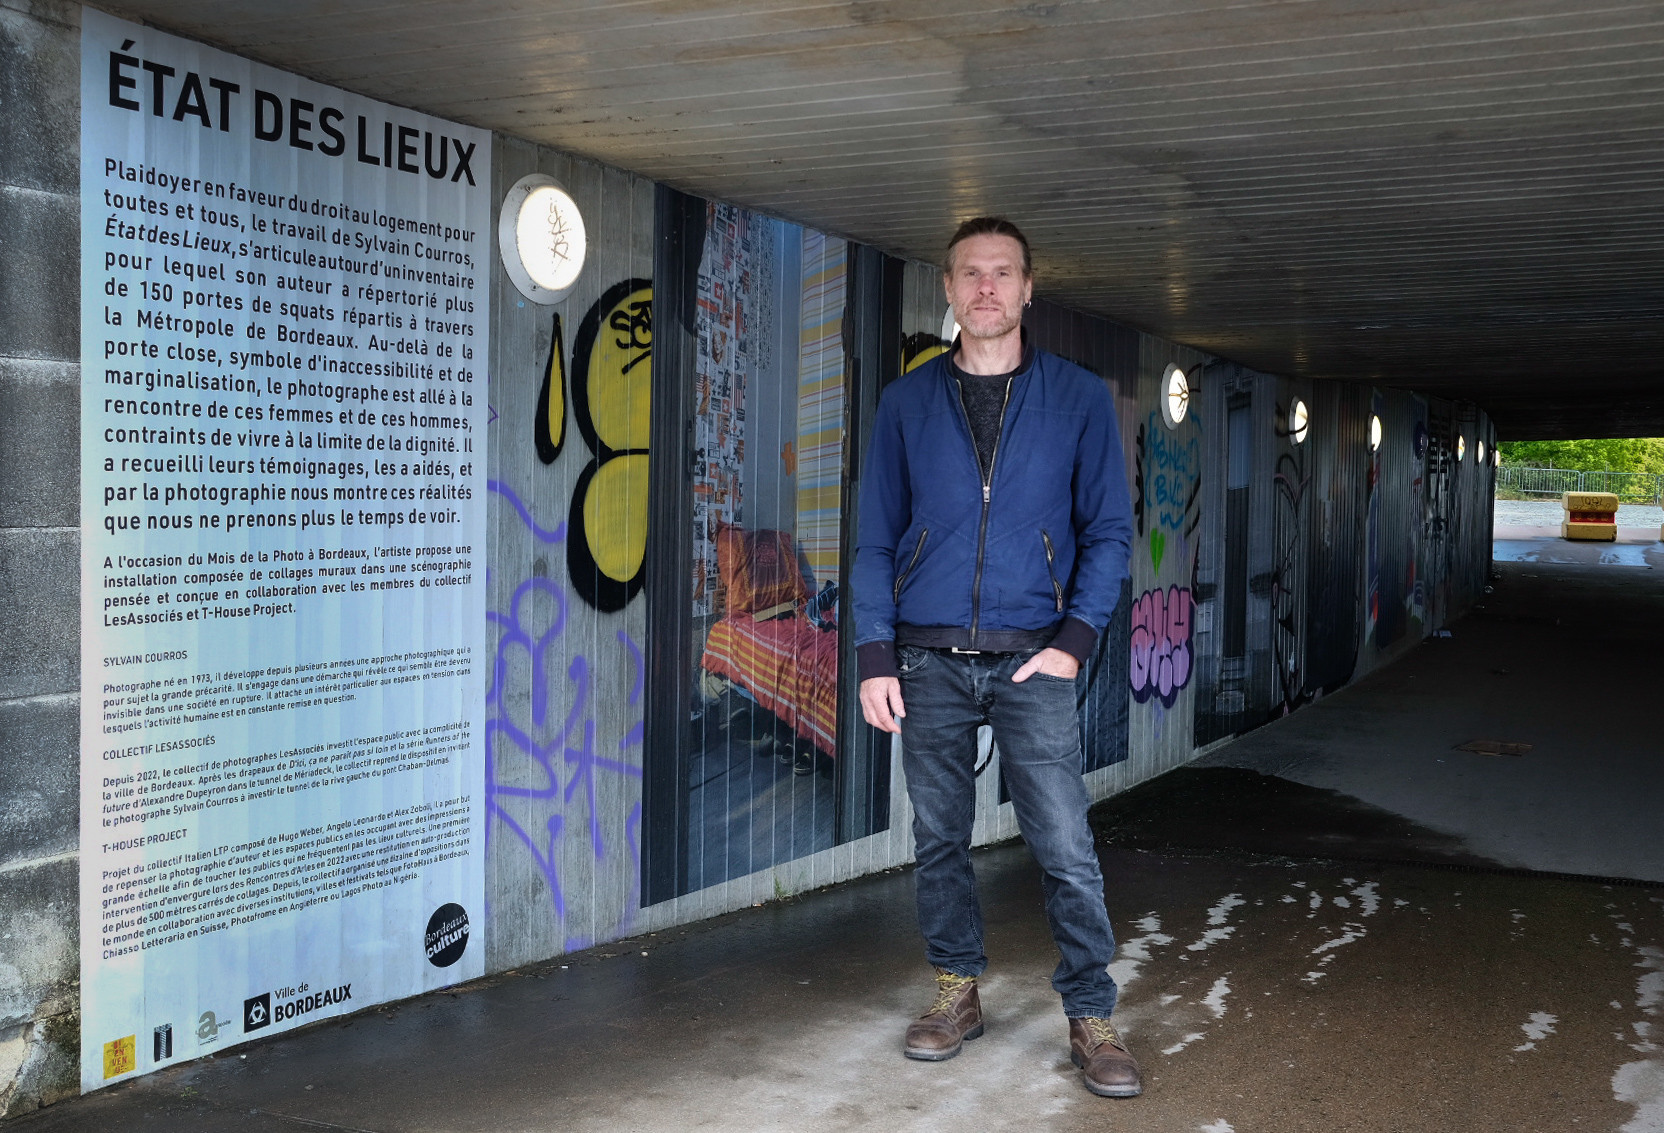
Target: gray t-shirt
[[984, 398]]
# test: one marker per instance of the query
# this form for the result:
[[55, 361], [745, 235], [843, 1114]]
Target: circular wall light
[[541, 237], [1461, 448], [1479, 453], [1299, 422], [1375, 432], [1175, 396]]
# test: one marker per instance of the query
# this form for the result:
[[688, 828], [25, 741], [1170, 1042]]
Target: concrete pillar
[[40, 540]]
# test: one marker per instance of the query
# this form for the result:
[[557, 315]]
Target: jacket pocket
[[1051, 570], [901, 579]]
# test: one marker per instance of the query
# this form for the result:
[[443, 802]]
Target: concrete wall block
[[40, 1063], [40, 87], [40, 966], [40, 767], [40, 443], [40, 274], [40, 610], [40, 952]]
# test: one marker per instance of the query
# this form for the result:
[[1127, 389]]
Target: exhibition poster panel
[[283, 333]]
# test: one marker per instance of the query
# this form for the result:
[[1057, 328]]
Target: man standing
[[994, 536]]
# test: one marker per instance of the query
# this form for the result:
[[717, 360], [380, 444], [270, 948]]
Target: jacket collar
[[1022, 367]]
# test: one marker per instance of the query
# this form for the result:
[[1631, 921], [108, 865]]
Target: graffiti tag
[[1161, 659], [552, 778]]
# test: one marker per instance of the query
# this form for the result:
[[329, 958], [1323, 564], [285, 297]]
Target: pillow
[[758, 569]]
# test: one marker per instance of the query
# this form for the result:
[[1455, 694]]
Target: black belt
[[953, 639]]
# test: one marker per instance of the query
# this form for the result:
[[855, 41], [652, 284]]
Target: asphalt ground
[[1259, 992], [1339, 922]]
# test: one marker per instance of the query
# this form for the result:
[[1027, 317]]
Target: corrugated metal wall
[[1335, 463], [563, 708], [1165, 478], [1236, 567], [1292, 504], [1265, 572], [1394, 617], [1323, 557], [1112, 352]]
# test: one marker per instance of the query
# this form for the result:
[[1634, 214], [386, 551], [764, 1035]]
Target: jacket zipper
[[987, 492], [901, 579], [1051, 554]]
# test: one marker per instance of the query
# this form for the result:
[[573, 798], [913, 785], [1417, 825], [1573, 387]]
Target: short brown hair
[[989, 226]]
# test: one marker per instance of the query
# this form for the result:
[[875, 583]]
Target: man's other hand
[[1052, 662], [881, 702]]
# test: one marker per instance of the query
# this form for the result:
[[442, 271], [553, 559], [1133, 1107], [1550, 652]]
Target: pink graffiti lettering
[[1160, 665]]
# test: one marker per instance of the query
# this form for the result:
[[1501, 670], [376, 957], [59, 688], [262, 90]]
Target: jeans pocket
[[910, 659]]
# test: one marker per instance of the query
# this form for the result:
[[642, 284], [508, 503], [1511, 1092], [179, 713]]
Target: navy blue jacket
[[1046, 549]]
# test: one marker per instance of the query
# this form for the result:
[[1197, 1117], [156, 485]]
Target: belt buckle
[[966, 652]]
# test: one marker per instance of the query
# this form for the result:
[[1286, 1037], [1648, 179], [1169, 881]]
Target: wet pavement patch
[[1233, 809]]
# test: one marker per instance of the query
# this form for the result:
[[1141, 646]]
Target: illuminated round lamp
[[950, 328], [540, 234], [1299, 422], [1461, 448], [1479, 453], [1496, 458], [1375, 432], [1175, 396]]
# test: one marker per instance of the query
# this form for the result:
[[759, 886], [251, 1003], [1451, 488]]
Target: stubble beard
[[1005, 324]]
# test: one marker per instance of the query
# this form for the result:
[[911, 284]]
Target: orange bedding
[[789, 665]]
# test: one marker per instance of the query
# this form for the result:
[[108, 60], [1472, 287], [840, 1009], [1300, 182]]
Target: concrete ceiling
[[1464, 197]]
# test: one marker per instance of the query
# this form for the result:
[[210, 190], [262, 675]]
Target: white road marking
[[1641, 1084], [1539, 1027], [1353, 932], [1649, 989], [1220, 912], [1130, 955], [1215, 1000], [1184, 1042], [1217, 917]]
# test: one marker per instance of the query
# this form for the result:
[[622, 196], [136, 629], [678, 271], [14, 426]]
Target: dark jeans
[[946, 697]]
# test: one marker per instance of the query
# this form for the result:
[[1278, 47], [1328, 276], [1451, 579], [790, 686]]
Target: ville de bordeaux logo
[[445, 941], [292, 1003]]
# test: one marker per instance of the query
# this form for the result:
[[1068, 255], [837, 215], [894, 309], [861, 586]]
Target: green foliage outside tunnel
[[1633, 468], [1644, 454]]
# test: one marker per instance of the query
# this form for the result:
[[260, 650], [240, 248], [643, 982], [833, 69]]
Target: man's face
[[987, 287]]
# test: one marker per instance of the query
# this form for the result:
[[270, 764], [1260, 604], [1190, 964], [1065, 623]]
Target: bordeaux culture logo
[[447, 935]]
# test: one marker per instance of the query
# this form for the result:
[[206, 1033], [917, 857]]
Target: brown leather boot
[[1097, 1049], [955, 1017]]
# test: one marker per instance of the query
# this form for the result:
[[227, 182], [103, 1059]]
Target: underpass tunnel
[[1517, 737], [577, 320]]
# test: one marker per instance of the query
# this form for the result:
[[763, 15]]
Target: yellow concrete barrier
[[1590, 515]]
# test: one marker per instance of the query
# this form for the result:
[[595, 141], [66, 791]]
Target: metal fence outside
[[1630, 487]]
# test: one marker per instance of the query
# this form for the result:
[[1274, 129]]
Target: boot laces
[[949, 986], [1103, 1031]]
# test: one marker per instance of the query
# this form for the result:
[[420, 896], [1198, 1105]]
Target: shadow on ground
[[1237, 810]]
